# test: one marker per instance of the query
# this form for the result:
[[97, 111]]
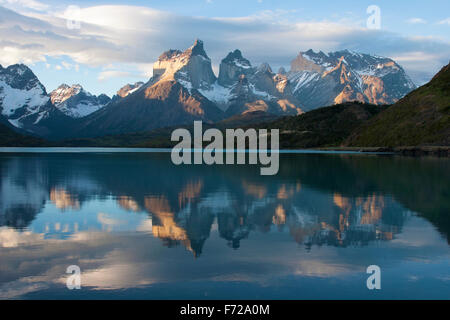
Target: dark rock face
[[321, 79], [282, 71], [19, 76], [232, 67], [103, 99], [197, 49]]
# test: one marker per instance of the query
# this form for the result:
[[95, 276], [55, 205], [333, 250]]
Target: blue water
[[140, 227]]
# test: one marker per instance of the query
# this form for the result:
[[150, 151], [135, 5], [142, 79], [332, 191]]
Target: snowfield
[[13, 99]]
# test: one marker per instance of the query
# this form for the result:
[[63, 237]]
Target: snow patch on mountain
[[82, 109], [13, 99], [301, 79], [218, 94], [260, 93], [132, 88]]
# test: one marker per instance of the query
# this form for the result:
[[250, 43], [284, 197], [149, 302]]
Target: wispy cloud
[[136, 36], [26, 4], [105, 75], [445, 21], [416, 21]]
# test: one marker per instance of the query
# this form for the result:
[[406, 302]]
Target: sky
[[106, 44]]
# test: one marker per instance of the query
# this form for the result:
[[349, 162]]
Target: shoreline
[[415, 151]]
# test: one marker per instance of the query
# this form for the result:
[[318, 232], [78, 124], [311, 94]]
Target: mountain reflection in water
[[76, 202]]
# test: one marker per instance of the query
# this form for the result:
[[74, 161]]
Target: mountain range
[[25, 104], [417, 124], [184, 88], [321, 79]]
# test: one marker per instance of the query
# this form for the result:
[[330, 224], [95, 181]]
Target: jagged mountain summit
[[239, 88], [184, 88], [126, 90], [243, 88], [76, 102], [24, 102], [321, 79], [129, 89], [191, 68], [171, 97]]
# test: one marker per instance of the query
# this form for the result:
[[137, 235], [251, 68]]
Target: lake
[[140, 227]]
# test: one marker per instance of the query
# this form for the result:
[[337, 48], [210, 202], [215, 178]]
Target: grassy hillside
[[421, 118], [323, 127]]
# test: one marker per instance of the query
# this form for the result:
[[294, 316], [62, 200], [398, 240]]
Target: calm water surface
[[140, 227]]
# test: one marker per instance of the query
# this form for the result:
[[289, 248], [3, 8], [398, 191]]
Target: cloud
[[445, 21], [27, 4], [136, 36], [10, 238], [105, 75], [416, 21], [126, 260], [67, 65]]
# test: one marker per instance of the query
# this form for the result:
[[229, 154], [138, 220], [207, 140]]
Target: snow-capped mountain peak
[[22, 97], [347, 75], [241, 88], [64, 92], [235, 57], [76, 102], [232, 67]]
